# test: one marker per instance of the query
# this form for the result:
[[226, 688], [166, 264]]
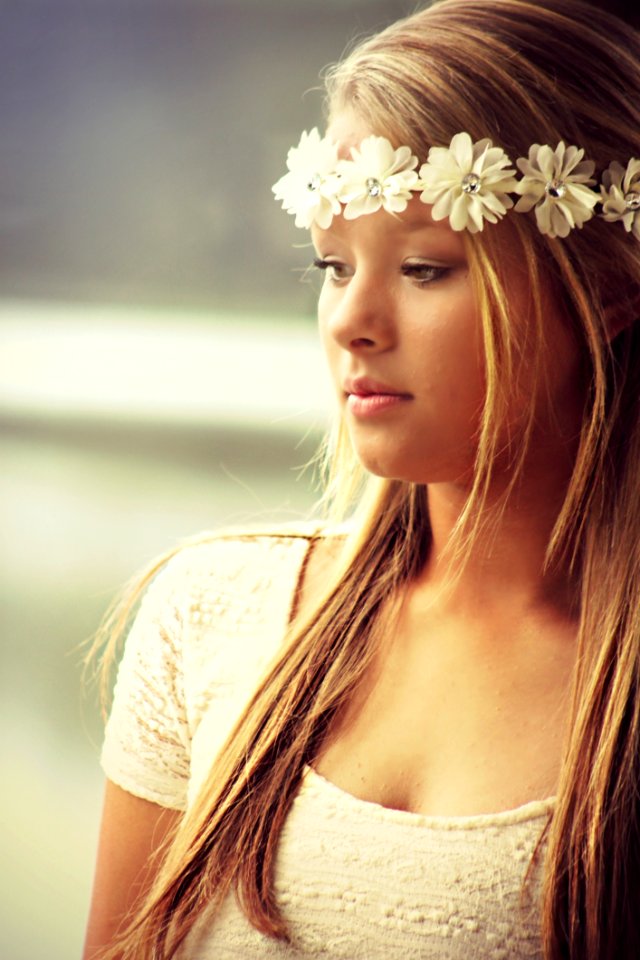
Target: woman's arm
[[131, 832]]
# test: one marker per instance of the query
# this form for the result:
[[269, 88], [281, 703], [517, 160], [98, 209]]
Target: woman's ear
[[621, 310]]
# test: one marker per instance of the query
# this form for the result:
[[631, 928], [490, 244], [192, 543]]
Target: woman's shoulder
[[214, 612], [237, 552], [239, 566]]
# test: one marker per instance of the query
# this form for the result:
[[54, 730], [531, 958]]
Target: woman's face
[[402, 333]]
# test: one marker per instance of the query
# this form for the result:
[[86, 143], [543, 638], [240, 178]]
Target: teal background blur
[[159, 370]]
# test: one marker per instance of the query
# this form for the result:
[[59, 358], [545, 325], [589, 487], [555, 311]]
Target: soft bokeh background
[[159, 372]]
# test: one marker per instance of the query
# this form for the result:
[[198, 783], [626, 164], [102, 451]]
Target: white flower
[[376, 176], [557, 183], [620, 191], [468, 182], [308, 190]]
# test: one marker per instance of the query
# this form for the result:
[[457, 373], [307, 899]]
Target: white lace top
[[354, 879]]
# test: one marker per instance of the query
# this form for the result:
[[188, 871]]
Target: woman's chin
[[389, 467], [409, 470]]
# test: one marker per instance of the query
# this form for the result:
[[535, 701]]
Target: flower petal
[[461, 150], [441, 209], [458, 218], [475, 212], [362, 206], [526, 203]]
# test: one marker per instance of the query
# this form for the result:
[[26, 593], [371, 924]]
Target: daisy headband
[[467, 182]]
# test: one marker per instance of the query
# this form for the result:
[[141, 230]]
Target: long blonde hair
[[519, 72]]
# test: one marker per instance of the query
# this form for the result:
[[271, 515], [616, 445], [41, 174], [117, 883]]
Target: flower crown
[[467, 182]]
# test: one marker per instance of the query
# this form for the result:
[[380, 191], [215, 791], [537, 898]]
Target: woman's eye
[[421, 273], [332, 269], [424, 273]]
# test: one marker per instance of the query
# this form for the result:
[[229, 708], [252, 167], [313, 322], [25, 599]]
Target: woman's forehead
[[416, 222]]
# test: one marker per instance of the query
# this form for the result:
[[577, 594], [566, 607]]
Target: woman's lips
[[368, 398]]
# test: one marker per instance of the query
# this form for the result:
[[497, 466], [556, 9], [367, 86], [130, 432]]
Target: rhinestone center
[[632, 200], [471, 183], [314, 183], [555, 189], [374, 187]]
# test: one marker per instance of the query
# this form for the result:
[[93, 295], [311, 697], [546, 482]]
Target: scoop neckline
[[532, 810]]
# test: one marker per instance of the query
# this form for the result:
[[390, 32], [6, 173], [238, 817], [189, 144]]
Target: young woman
[[418, 735]]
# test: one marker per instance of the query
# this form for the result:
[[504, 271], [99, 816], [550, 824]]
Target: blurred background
[[159, 371]]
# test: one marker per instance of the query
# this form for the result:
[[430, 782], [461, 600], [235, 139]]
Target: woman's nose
[[358, 316]]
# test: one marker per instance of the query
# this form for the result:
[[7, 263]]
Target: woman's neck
[[505, 565]]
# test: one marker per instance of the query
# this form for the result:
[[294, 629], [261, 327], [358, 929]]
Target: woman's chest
[[355, 880], [454, 732]]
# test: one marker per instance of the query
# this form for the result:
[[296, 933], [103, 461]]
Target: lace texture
[[355, 880]]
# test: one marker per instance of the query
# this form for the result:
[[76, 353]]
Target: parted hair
[[520, 73]]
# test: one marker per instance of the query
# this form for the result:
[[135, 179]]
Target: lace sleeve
[[146, 748]]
